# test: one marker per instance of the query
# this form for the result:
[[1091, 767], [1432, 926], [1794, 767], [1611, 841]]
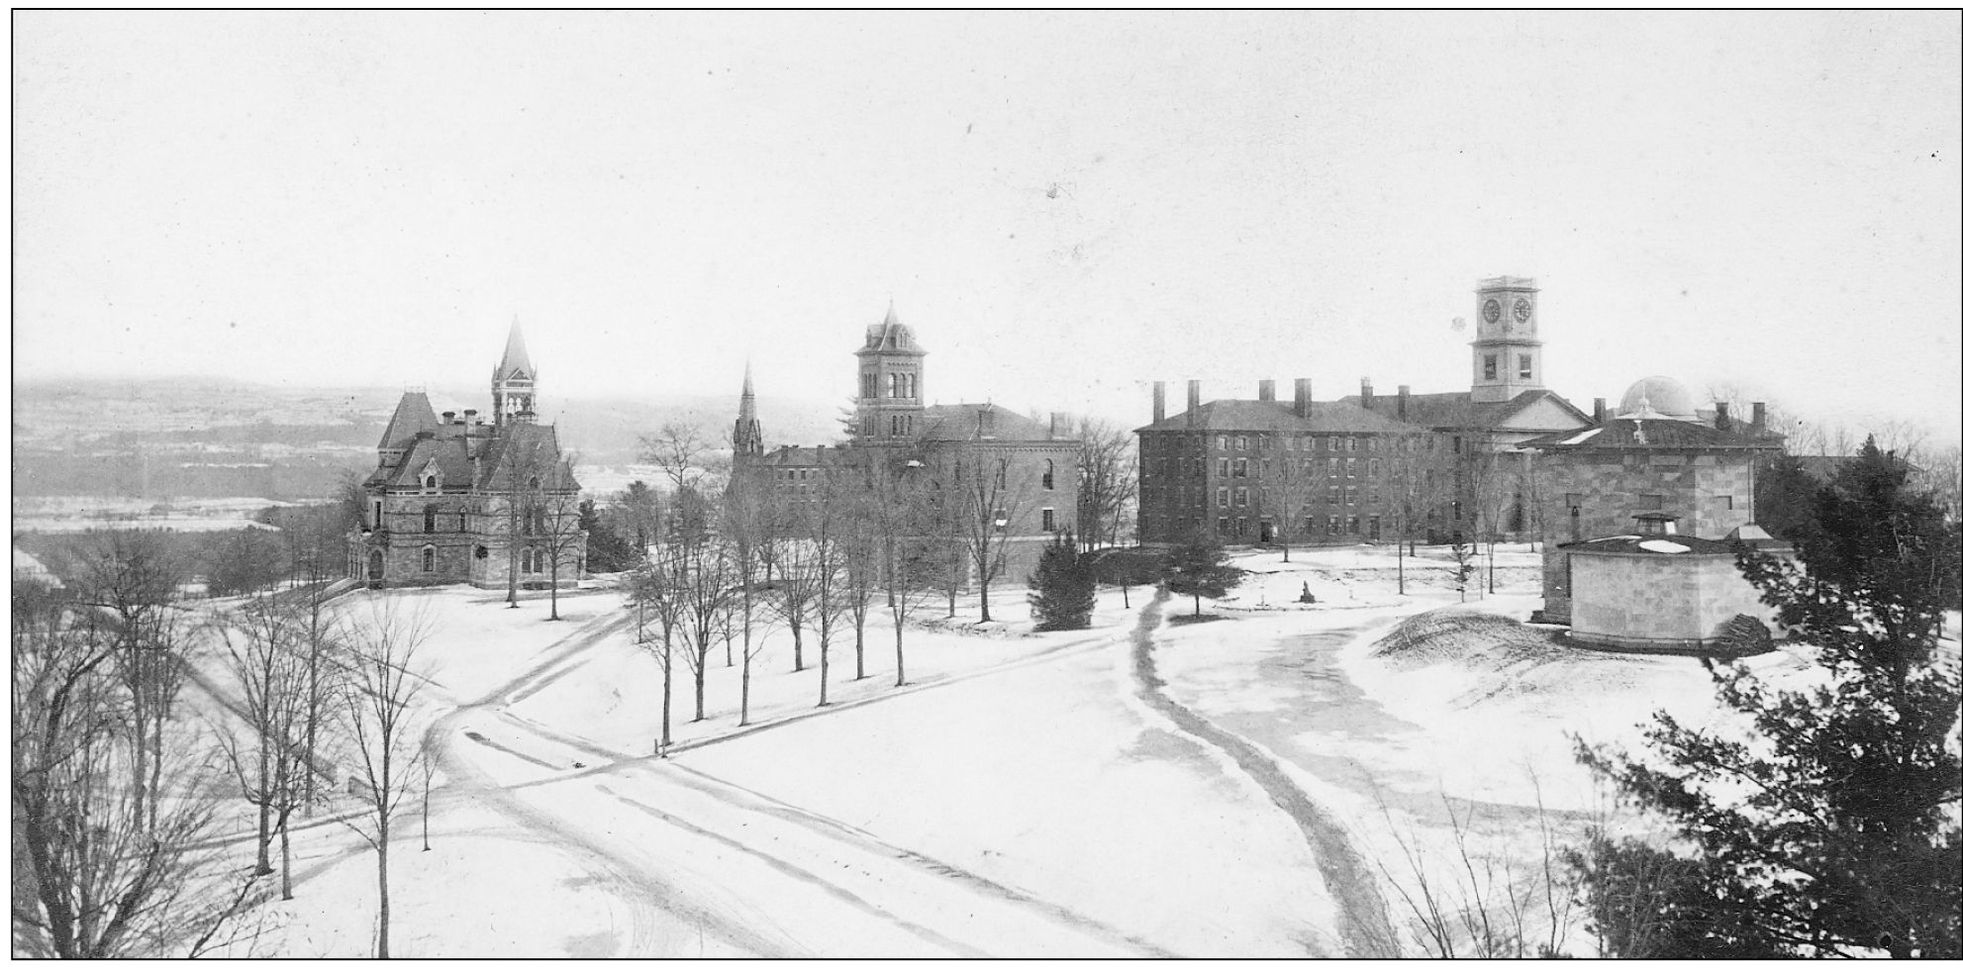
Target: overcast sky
[[1065, 208]]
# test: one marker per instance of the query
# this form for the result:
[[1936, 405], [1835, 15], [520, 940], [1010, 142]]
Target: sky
[[1063, 207]]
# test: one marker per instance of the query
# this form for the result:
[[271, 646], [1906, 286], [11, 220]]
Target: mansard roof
[[890, 336], [1325, 417], [412, 414], [965, 422]]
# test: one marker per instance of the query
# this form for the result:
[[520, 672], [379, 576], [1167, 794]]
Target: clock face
[[1522, 310], [1491, 311]]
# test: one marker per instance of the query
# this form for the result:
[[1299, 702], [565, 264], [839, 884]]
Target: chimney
[[1192, 404], [1723, 422], [1158, 401], [1601, 411], [1758, 417], [449, 417], [470, 415], [1302, 404], [1369, 396], [1053, 424], [1267, 391], [1403, 399]]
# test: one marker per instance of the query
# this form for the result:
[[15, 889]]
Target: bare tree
[[1945, 478], [860, 546], [558, 533], [652, 592], [133, 578], [263, 653], [1293, 484], [904, 518], [988, 503], [750, 522], [1107, 480], [99, 873], [383, 686], [700, 573]]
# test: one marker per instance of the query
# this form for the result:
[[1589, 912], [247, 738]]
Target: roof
[[797, 456], [1668, 545], [412, 414], [1457, 409], [979, 422], [890, 336], [500, 456], [1654, 434], [1325, 417], [516, 363]]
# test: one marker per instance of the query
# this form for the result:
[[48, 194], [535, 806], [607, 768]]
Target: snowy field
[[1258, 784], [77, 513]]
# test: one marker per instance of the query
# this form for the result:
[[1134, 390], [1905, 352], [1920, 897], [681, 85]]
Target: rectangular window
[[1240, 468], [1335, 525], [1376, 467], [1240, 443], [1049, 520], [1349, 468], [1221, 442], [1240, 497], [1724, 502], [1223, 525], [1492, 369], [1455, 444], [1223, 497], [1526, 367], [1349, 444], [1223, 468], [1650, 502]]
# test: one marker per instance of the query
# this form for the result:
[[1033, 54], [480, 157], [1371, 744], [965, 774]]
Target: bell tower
[[891, 365], [1506, 357], [514, 382]]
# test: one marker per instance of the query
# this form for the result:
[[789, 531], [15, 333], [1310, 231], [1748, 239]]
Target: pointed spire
[[516, 362], [748, 437], [892, 316], [749, 390]]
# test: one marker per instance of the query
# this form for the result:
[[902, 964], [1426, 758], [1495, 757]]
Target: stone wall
[[1664, 601]]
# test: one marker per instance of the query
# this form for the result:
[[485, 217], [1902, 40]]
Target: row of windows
[[1409, 444], [900, 386], [1491, 367]]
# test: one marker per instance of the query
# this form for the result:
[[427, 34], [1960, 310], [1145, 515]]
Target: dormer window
[[429, 482]]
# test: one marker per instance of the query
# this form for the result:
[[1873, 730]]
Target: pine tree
[[1063, 590], [1198, 567], [1829, 827]]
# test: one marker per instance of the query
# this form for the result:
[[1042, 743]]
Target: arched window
[[429, 559], [1049, 474], [429, 518], [429, 482]]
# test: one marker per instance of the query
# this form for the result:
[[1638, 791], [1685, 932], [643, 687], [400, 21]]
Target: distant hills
[[210, 437]]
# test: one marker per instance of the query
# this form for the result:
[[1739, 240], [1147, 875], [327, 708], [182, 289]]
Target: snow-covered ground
[[1260, 784]]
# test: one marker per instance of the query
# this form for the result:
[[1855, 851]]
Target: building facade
[[1028, 484], [455, 499], [1655, 460]]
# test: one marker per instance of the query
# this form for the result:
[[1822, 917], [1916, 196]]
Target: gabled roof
[[532, 449], [516, 363], [1325, 417], [1457, 409], [798, 456], [1654, 434], [965, 422], [514, 447], [889, 336], [412, 414]]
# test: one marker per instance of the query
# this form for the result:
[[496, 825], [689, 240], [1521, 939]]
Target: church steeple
[[748, 436], [514, 381]]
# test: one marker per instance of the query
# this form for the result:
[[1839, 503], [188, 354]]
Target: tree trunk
[[1400, 567], [859, 644], [744, 718], [555, 586], [382, 877], [984, 600], [824, 667], [285, 856], [1196, 606], [701, 674], [797, 648], [667, 688], [899, 652], [263, 865]]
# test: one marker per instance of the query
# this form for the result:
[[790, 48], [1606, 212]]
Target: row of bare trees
[[879, 529], [120, 791]]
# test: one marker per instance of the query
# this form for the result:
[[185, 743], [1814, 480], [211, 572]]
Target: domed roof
[[1657, 397]]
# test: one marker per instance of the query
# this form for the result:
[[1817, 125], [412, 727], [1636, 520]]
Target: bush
[[1063, 590]]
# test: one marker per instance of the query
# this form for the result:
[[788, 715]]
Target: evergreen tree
[[1198, 567], [1782, 499], [1829, 826], [606, 551], [1063, 590]]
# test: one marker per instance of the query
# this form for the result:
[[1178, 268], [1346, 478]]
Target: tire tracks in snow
[[1362, 920]]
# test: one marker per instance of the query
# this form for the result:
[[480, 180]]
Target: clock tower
[[1506, 358]]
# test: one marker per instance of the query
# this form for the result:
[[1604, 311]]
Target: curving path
[[1364, 924]]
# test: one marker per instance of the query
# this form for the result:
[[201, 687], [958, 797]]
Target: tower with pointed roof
[[514, 381], [747, 438], [890, 404]]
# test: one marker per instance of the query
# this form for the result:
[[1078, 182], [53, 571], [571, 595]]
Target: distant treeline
[[131, 474]]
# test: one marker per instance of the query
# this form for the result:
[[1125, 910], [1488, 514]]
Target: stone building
[[1033, 464], [1266, 471], [1669, 580], [455, 499]]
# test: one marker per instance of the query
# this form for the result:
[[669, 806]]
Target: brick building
[[454, 499], [1033, 465], [1267, 471]]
